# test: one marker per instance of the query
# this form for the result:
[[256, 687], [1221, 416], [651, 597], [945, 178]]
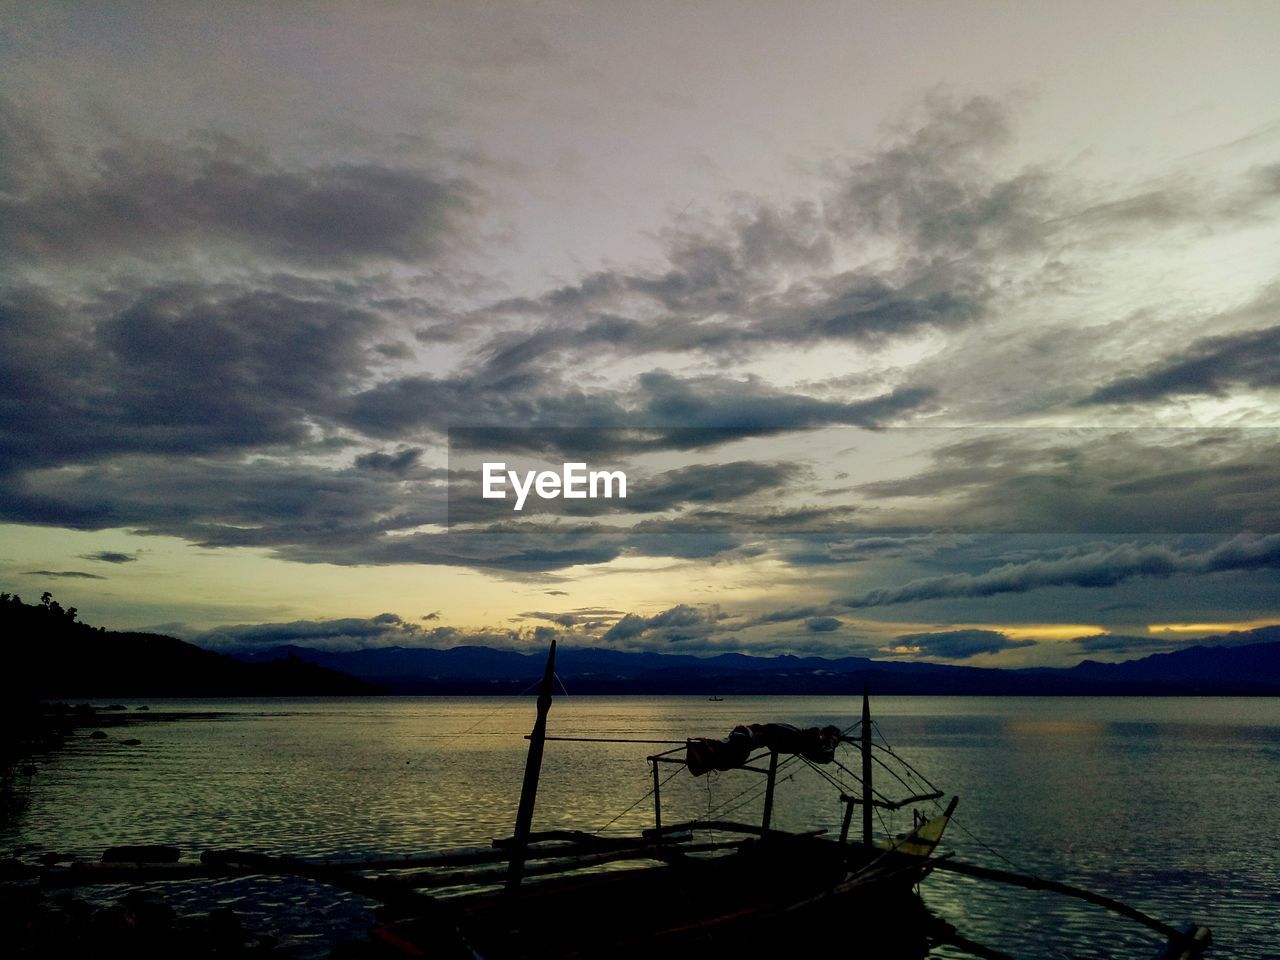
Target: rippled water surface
[[1167, 804]]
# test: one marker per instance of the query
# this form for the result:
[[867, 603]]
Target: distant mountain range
[[50, 654], [1249, 669]]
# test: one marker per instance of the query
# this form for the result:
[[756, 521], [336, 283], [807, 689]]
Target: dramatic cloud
[[353, 633], [396, 463], [660, 411], [822, 624], [1084, 480], [1212, 365], [276, 503], [1103, 567], [681, 622], [930, 196], [261, 340], [385, 629], [856, 306], [958, 644], [146, 197], [178, 369]]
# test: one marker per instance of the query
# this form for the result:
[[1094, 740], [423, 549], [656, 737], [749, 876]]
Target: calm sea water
[[1166, 804]]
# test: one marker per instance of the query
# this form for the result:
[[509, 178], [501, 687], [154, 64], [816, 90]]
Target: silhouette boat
[[710, 884]]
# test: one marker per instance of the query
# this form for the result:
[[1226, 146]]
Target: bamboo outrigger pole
[[532, 768], [867, 798], [768, 790]]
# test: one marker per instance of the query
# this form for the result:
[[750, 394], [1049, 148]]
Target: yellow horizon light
[[1052, 631], [1210, 627]]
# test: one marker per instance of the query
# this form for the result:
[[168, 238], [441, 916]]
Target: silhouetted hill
[[50, 654], [1252, 669], [1252, 664]]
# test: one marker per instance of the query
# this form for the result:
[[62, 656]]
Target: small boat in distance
[[715, 699]]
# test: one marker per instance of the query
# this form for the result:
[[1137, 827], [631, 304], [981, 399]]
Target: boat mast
[[866, 769], [532, 768]]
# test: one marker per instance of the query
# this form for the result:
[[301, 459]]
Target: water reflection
[[1160, 803]]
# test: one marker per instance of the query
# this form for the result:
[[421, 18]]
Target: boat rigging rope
[[758, 792], [488, 716], [640, 801], [893, 773], [954, 819], [752, 799]]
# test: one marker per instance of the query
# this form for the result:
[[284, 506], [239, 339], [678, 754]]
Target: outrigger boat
[[677, 889], [713, 884]]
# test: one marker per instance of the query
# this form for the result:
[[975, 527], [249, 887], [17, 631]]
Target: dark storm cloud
[[529, 554], [959, 644], [822, 624], [146, 197], [310, 514], [827, 545], [182, 369], [664, 411], [355, 633], [678, 623], [819, 612], [226, 503], [398, 463], [1212, 365], [386, 629], [109, 556], [70, 574], [1103, 566], [1092, 481], [858, 306], [709, 483]]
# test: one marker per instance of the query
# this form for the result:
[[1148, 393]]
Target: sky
[[922, 331]]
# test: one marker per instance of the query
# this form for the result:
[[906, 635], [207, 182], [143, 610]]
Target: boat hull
[[779, 892]]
